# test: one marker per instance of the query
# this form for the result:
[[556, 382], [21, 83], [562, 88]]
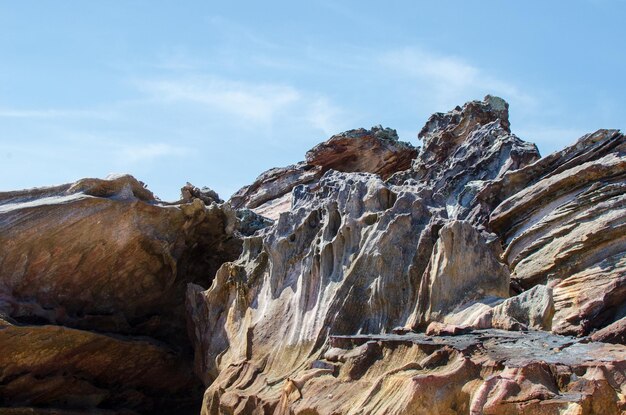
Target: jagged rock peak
[[377, 150], [491, 108], [442, 133], [478, 234]]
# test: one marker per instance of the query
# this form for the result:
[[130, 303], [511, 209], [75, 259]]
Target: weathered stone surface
[[85, 268], [55, 366], [484, 372], [462, 268], [562, 221], [355, 254], [270, 194], [531, 309], [613, 333], [464, 150], [475, 233], [189, 192], [377, 150]]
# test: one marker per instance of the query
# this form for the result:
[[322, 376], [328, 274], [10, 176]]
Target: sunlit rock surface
[[469, 276], [477, 233], [562, 222], [92, 282], [376, 150]]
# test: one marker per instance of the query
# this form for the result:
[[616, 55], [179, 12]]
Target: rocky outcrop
[[377, 150], [92, 283], [270, 194], [356, 253], [613, 333], [461, 259], [464, 151], [470, 276], [562, 222]]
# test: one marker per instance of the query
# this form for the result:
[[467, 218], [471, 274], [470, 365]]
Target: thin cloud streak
[[254, 102], [149, 152], [448, 78], [55, 113]]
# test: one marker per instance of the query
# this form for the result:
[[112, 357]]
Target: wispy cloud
[[136, 153], [449, 78], [55, 113], [323, 115], [253, 102]]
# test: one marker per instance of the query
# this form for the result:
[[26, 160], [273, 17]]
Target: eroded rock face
[[270, 194], [507, 261], [92, 283], [377, 150], [462, 260], [430, 245], [562, 221]]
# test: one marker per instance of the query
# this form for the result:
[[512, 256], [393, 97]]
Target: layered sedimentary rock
[[469, 276], [452, 243], [377, 150], [562, 222], [92, 282]]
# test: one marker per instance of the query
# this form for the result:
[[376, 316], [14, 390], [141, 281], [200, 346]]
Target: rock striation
[[562, 222], [469, 276], [377, 150], [92, 283], [477, 233]]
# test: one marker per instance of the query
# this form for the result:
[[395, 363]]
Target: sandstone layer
[[92, 282], [467, 276], [478, 233], [377, 150]]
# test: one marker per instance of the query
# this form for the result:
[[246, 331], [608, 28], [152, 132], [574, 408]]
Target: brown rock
[[441, 329], [377, 150], [531, 309], [562, 224], [103, 256], [613, 333], [462, 268], [354, 254], [54, 366], [270, 194]]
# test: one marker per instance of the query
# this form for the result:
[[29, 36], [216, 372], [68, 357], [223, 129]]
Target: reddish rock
[[377, 150], [561, 221], [613, 333]]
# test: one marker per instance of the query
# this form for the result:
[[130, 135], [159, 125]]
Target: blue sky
[[216, 92]]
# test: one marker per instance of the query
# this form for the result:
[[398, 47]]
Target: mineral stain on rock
[[468, 276]]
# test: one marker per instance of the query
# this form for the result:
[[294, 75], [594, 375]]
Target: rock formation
[[377, 150], [478, 233], [469, 276], [92, 282]]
